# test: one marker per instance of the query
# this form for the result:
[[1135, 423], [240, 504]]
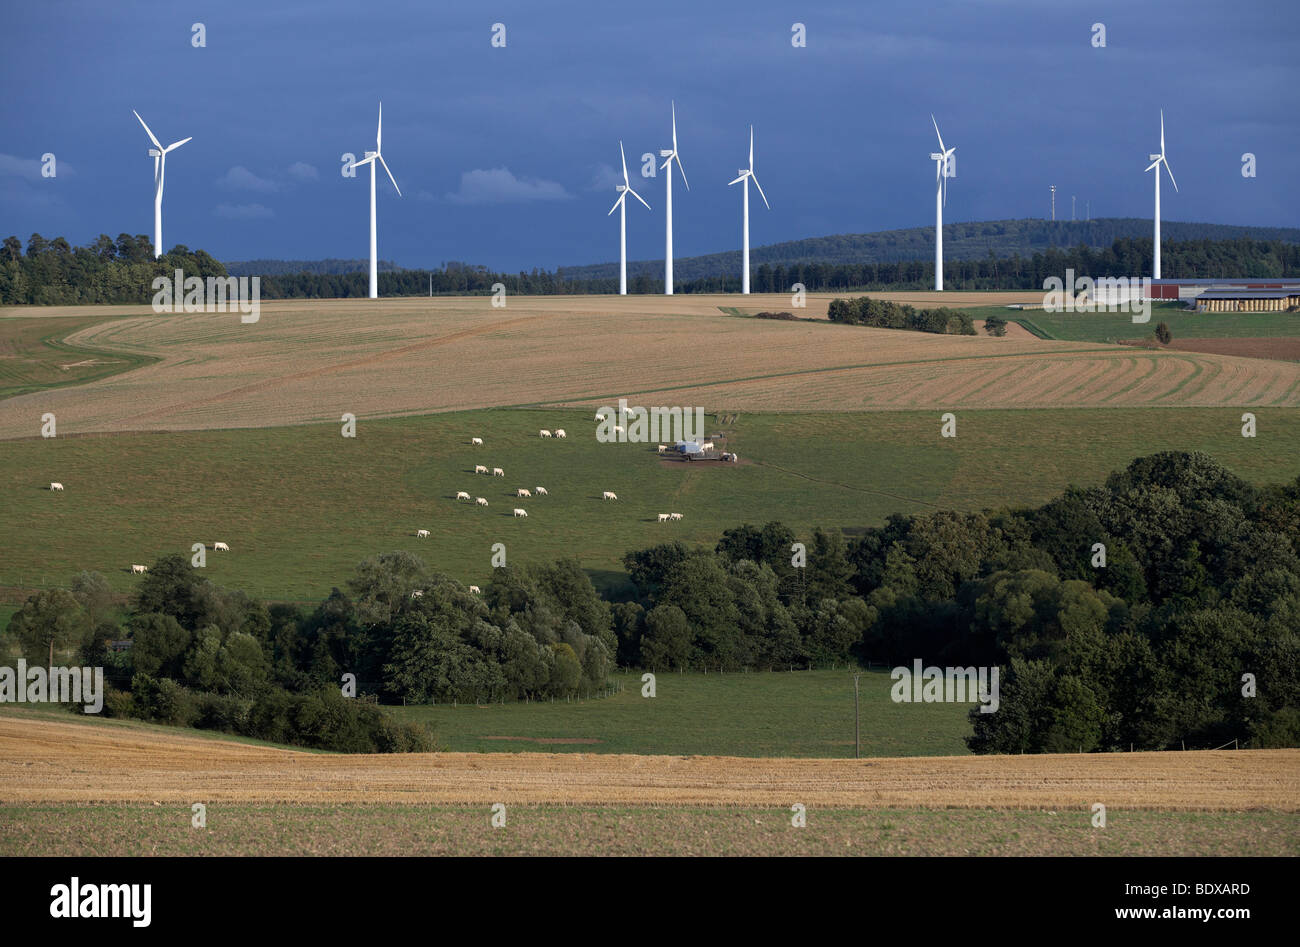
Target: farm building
[[1247, 300], [1192, 289]]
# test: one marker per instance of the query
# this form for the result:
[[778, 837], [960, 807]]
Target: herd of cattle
[[521, 492]]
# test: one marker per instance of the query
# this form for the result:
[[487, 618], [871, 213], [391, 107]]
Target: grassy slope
[[788, 714], [405, 830], [1104, 326], [301, 506]]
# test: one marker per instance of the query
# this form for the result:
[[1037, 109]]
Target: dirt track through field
[[47, 760]]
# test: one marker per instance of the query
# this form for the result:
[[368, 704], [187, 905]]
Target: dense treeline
[[1124, 257], [122, 271], [882, 314], [52, 273], [1160, 607]]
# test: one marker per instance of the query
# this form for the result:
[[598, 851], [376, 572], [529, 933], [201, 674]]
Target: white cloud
[[605, 178], [243, 211], [29, 168], [239, 178], [499, 186], [303, 171]]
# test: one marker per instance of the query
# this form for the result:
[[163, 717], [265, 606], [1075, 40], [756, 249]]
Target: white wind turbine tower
[[371, 158], [747, 175], [159, 155], [670, 155], [1156, 161], [940, 159], [620, 205]]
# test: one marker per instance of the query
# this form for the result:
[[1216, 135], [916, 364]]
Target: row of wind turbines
[[942, 164]]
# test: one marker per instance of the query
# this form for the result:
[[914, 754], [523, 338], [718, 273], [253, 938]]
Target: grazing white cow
[[421, 534], [663, 448], [138, 569], [735, 458], [543, 433], [707, 445], [663, 517], [56, 486], [608, 495], [599, 416], [481, 501], [498, 472], [476, 590], [418, 593], [541, 491], [519, 511], [220, 547], [462, 495], [479, 468], [559, 432], [476, 441], [523, 492], [675, 516], [619, 429]]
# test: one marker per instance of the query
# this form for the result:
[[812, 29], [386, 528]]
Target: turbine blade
[[1171, 173], [176, 144], [754, 178], [681, 169], [1162, 131], [637, 196], [945, 190], [617, 202], [738, 180], [1153, 164], [936, 131], [751, 150], [622, 154], [674, 126], [379, 131], [157, 144], [357, 164], [390, 175]]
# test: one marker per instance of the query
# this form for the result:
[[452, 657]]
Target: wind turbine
[[371, 158], [620, 205], [747, 175], [159, 155], [670, 155], [1156, 161], [940, 159]]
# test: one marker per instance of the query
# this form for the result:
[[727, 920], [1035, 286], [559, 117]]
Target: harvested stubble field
[[308, 361], [404, 829], [47, 761]]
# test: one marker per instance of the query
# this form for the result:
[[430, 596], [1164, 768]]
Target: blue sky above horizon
[[508, 157]]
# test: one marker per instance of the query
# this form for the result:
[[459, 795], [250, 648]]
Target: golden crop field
[[45, 760], [311, 361]]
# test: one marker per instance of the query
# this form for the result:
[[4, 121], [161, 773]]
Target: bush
[[995, 325], [1163, 334]]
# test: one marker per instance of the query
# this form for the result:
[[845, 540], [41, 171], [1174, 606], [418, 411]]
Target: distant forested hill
[[315, 267], [962, 241]]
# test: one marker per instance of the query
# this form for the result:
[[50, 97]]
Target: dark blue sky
[[505, 156]]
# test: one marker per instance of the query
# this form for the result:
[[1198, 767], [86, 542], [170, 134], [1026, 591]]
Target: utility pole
[[857, 730], [1053, 202]]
